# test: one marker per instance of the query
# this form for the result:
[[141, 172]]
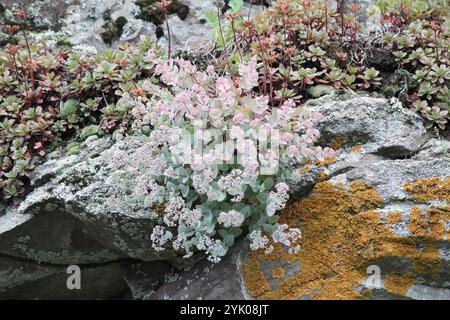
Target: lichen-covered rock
[[54, 12], [351, 227], [68, 220], [363, 130], [367, 211], [381, 206], [384, 127], [76, 196]]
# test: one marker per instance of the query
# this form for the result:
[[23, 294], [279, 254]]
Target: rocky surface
[[385, 215], [382, 201], [207, 281], [381, 206], [68, 219], [127, 278], [96, 25]]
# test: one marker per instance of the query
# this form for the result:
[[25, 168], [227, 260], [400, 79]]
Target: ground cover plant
[[242, 112], [304, 47]]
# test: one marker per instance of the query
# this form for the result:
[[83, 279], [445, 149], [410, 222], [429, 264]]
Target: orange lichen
[[430, 261], [399, 284], [159, 208], [424, 190], [394, 217], [304, 169], [327, 162], [278, 273], [429, 224], [342, 235], [337, 142], [356, 149], [323, 176]]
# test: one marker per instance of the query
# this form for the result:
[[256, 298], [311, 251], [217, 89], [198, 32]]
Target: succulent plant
[[421, 48]]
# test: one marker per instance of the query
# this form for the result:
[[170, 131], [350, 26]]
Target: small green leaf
[[228, 240]]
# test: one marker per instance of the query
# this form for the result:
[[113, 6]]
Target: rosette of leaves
[[299, 44], [49, 96], [420, 48], [207, 190]]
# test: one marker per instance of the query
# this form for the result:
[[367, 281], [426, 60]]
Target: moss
[[389, 91], [120, 23], [149, 12], [112, 30], [342, 235], [396, 83]]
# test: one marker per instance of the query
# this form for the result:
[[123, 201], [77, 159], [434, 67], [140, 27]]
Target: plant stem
[[225, 51], [169, 36]]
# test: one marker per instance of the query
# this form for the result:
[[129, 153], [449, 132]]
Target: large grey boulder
[[70, 219], [79, 196], [381, 206]]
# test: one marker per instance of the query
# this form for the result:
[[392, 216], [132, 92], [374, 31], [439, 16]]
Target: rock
[[207, 281], [75, 195], [434, 148], [363, 130], [376, 223], [144, 278], [54, 12], [96, 25], [101, 24], [384, 127], [21, 279], [67, 220], [389, 217], [188, 33]]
